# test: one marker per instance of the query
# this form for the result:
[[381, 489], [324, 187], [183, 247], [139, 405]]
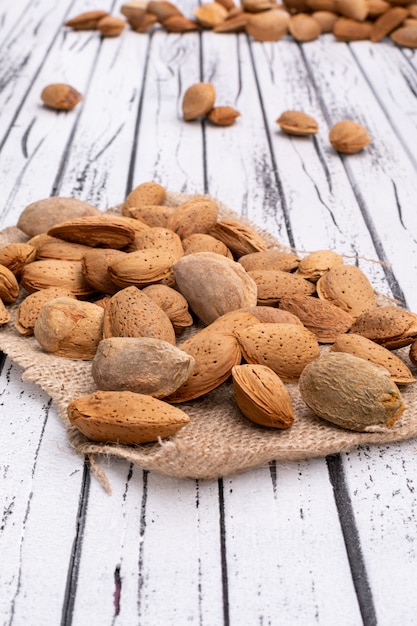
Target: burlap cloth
[[218, 440]]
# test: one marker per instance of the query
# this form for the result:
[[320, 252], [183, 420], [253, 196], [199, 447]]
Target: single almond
[[125, 417], [144, 23], [317, 263], [349, 137], [233, 24], [48, 247], [142, 267], [268, 26], [240, 238], [15, 256], [95, 268], [147, 193], [272, 315], [4, 314], [297, 122], [272, 285], [111, 26], [38, 217], [106, 231], [198, 215], [223, 115], [133, 12], [347, 287], [29, 309], [56, 273], [9, 287], [392, 327], [60, 96], [209, 14], [172, 303], [377, 8], [86, 21], [198, 100], [324, 319], [346, 29], [405, 36], [270, 260], [162, 9], [326, 19], [179, 24], [304, 27], [152, 215], [387, 22], [354, 9], [202, 242], [257, 6]]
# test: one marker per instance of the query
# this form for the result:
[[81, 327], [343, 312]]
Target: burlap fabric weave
[[219, 440]]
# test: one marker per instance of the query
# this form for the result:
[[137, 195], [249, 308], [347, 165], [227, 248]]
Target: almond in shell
[[223, 115], [202, 242], [270, 260], [213, 284], [95, 268], [15, 256], [198, 215], [364, 348], [131, 313], [262, 396], [56, 273], [152, 215], [285, 348], [355, 9], [147, 193], [141, 268], [209, 14], [70, 328], [105, 231], [9, 287], [349, 137], [48, 247], [346, 29], [172, 303], [38, 217], [351, 392], [140, 364], [86, 21], [238, 237], [326, 19], [317, 263], [4, 314], [125, 417], [297, 122], [272, 315], [347, 287], [387, 22], [268, 26], [60, 96], [272, 285], [304, 27], [392, 327], [324, 319], [405, 36], [162, 239], [179, 24], [29, 309], [198, 100], [111, 26]]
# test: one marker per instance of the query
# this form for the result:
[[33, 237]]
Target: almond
[[162, 239], [111, 26], [179, 24], [269, 314], [4, 314], [262, 396], [141, 268], [238, 237], [367, 349], [140, 364], [198, 215], [172, 303], [48, 247], [202, 242], [351, 392], [209, 14], [152, 215], [349, 137], [390, 326], [405, 36], [322, 5], [60, 96], [268, 26], [347, 287], [355, 9], [326, 19], [131, 313], [105, 231], [345, 29], [38, 217], [270, 260], [144, 23], [86, 21], [15, 256], [387, 22], [162, 9], [234, 24], [322, 318], [213, 284], [95, 268], [257, 6], [223, 115], [56, 273], [297, 122], [133, 12], [9, 287], [316, 264], [198, 100], [69, 328], [377, 8], [148, 193], [285, 348], [125, 417], [304, 27], [272, 285]]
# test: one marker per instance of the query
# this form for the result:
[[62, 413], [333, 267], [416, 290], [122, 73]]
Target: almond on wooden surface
[[198, 100], [86, 21], [349, 137], [297, 123], [111, 26], [223, 115], [60, 96]]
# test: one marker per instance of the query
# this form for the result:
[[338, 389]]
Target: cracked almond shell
[[29, 309], [351, 392]]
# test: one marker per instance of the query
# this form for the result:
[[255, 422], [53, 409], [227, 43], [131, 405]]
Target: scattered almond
[[349, 137], [60, 96], [198, 100], [297, 123]]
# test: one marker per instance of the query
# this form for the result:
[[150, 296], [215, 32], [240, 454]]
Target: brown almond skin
[[349, 137], [9, 287], [405, 36], [268, 26], [387, 22], [86, 21], [223, 115], [324, 319], [275, 284], [60, 96], [70, 328], [179, 24], [304, 27], [346, 29], [147, 193], [104, 231], [29, 309], [347, 287], [110, 26], [172, 303], [262, 396], [238, 237], [297, 123], [202, 242], [270, 260], [125, 417], [198, 100], [15, 256], [198, 215], [351, 392], [38, 217], [56, 273], [317, 263], [390, 326]]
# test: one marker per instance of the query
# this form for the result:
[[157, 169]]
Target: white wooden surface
[[322, 541]]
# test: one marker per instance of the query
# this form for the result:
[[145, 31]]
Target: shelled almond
[[247, 307]]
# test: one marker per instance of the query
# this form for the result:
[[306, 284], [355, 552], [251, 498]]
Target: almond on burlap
[[391, 326]]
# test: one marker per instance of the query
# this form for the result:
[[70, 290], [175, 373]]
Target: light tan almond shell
[[285, 348], [141, 268], [152, 214], [95, 268], [131, 313], [104, 231], [125, 417], [48, 247], [179, 24], [56, 273], [213, 284], [60, 96], [326, 19], [215, 354], [273, 285], [268, 26], [230, 323], [15, 256], [317, 263], [144, 23], [347, 287], [194, 216], [304, 27], [133, 10], [297, 122], [223, 115], [387, 22], [256, 6], [9, 287], [348, 137], [345, 29], [4, 314], [202, 242], [140, 364], [145, 194], [262, 396], [355, 9], [209, 14], [405, 36], [412, 353], [138, 226], [234, 24], [173, 303], [161, 239], [162, 9], [86, 21], [198, 100], [351, 392], [240, 238], [324, 319], [390, 326], [70, 328], [367, 349], [28, 310], [111, 26], [272, 315], [270, 260], [38, 217]]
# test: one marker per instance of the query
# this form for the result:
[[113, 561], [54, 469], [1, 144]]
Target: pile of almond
[[122, 289], [267, 20]]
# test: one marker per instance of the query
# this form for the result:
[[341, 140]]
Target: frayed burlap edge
[[219, 440]]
